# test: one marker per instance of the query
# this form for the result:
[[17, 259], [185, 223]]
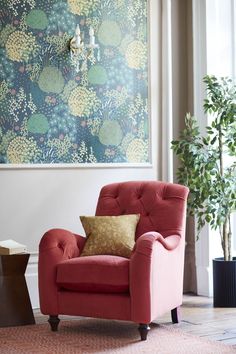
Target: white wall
[[33, 200]]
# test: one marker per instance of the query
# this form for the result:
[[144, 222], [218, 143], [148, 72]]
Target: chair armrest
[[145, 242], [55, 246], [156, 275], [69, 244]]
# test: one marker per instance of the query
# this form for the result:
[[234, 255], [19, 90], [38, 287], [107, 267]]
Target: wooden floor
[[198, 317]]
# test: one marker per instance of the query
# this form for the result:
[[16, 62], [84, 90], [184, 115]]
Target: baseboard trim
[[204, 281], [31, 276]]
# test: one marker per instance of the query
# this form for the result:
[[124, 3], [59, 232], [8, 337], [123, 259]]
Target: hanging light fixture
[[81, 52]]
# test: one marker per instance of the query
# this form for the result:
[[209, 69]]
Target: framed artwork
[[59, 108]]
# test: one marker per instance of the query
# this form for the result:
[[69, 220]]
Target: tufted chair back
[[160, 205]]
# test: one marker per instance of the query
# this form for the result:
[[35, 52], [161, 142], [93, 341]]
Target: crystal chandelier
[[81, 53]]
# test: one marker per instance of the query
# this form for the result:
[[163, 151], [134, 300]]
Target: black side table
[[15, 305]]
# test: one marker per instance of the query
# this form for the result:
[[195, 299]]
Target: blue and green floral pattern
[[51, 113]]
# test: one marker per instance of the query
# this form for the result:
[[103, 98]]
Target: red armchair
[[138, 289]]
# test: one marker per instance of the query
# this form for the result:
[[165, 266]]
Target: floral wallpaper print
[[51, 113]]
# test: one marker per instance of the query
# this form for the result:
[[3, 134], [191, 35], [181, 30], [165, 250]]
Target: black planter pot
[[224, 283]]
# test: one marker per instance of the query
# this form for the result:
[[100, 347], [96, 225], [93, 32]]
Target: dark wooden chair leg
[[143, 330], [175, 315], [54, 322]]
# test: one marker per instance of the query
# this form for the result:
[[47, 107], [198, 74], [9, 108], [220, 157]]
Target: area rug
[[101, 336]]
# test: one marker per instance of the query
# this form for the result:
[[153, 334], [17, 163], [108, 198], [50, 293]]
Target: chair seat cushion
[[98, 274]]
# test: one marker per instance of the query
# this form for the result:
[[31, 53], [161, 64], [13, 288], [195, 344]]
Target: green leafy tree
[[208, 162]]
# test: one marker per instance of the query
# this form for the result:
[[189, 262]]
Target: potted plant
[[208, 168]]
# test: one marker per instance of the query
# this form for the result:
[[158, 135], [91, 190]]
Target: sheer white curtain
[[221, 45], [214, 28], [167, 116], [221, 37]]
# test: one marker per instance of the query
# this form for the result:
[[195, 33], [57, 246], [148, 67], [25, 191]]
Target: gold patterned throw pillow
[[112, 235]]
